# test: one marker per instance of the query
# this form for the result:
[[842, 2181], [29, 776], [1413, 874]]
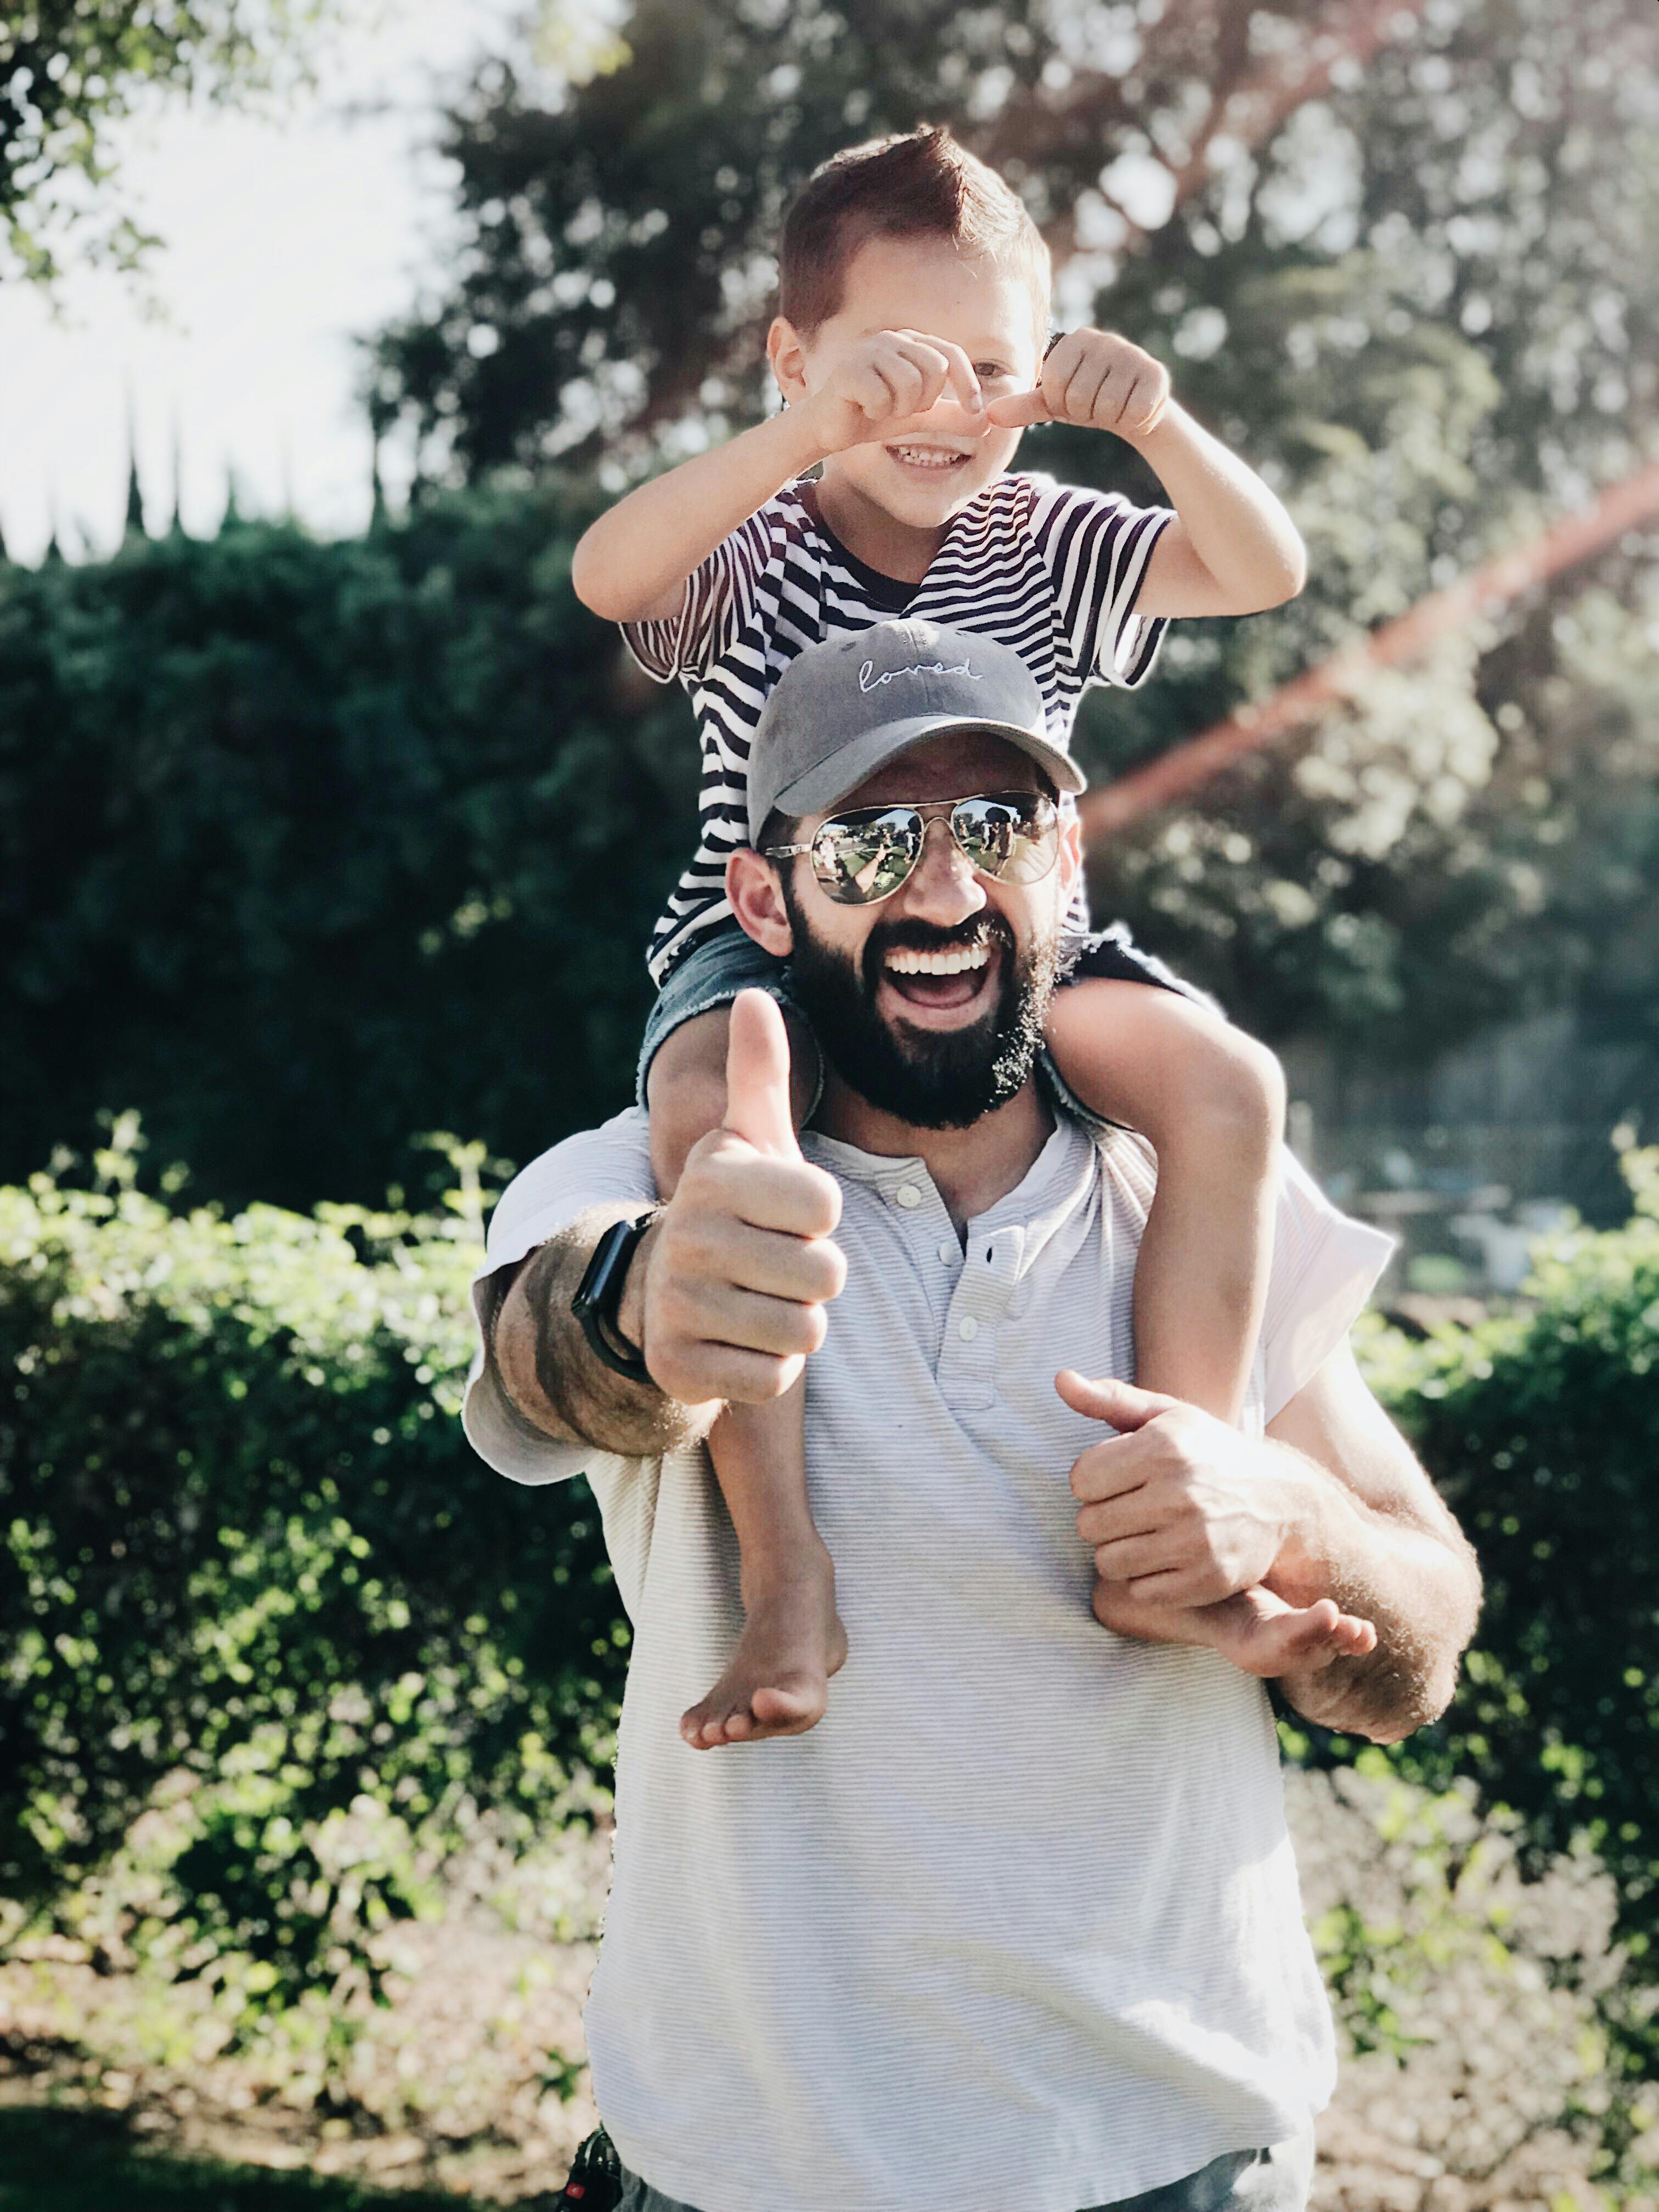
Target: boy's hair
[[922, 185]]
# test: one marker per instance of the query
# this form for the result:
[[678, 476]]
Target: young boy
[[909, 349]]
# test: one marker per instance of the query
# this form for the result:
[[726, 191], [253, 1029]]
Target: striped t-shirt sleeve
[[1096, 547], [720, 598]]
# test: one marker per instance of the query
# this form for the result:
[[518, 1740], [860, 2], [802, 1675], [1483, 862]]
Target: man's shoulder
[[594, 1167]]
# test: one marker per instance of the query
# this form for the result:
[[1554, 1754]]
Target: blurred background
[[332, 829]]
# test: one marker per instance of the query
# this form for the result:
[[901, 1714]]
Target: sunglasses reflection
[[862, 858]]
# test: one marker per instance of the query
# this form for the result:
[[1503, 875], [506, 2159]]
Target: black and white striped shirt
[[1048, 569]]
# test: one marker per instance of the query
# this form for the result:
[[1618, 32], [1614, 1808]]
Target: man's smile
[[953, 984]]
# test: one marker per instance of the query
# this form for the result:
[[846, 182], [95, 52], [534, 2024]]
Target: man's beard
[[930, 1078]]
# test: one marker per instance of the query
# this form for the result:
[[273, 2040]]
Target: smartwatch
[[600, 1293]]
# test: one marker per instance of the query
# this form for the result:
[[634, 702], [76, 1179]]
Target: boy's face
[[927, 467]]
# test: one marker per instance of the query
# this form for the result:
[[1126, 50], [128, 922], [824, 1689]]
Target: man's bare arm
[[1181, 1511], [725, 1291], [1372, 1533], [550, 1374]]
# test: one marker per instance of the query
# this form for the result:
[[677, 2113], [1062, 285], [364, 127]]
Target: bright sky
[[285, 237]]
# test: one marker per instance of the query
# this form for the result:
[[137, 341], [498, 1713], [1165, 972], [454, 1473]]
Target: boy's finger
[[958, 370], [963, 382], [910, 382], [871, 395], [931, 370], [1144, 409], [1061, 374], [1096, 396], [1015, 410]]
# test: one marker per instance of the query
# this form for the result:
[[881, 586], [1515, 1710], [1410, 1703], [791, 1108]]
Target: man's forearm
[[1419, 1586], [551, 1376]]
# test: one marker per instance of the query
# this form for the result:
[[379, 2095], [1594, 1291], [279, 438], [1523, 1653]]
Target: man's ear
[[756, 892], [787, 355]]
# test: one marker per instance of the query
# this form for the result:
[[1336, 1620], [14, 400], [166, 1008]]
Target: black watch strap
[[600, 1293]]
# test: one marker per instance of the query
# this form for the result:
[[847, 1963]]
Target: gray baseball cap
[[844, 708]]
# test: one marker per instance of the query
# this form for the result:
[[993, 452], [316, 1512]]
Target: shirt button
[[966, 1329], [909, 1195], [949, 1252]]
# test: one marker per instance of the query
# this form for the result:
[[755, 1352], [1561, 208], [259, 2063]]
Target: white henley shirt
[[1018, 1924]]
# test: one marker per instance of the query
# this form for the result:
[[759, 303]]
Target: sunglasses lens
[[1014, 837], [866, 857]]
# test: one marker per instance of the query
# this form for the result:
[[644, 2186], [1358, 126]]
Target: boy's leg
[[1211, 1101], [776, 1682], [1255, 1629]]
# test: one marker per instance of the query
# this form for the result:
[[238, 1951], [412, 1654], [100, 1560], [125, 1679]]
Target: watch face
[[600, 1293]]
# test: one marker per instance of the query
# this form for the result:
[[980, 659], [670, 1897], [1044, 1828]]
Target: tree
[[306, 848], [1424, 300], [71, 70]]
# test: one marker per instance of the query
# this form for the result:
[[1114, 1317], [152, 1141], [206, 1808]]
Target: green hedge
[[306, 847], [1542, 1430], [257, 1576], [260, 1585]]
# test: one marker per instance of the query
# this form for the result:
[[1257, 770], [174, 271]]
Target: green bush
[[258, 1586], [275, 1634], [1541, 1429], [305, 847]]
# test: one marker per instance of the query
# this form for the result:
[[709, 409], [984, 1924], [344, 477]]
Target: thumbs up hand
[[757, 1079], [740, 1266], [1178, 1505]]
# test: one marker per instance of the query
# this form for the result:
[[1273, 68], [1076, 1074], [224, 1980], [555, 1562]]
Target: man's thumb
[[1121, 1405], [757, 1076]]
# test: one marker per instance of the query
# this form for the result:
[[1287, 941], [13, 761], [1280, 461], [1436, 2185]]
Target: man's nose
[[943, 888]]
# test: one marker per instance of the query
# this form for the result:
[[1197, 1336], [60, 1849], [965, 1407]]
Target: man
[[1015, 1928]]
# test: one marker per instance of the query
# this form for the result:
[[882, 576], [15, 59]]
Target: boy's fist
[[885, 379], [1096, 379]]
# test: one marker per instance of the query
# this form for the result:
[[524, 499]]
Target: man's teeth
[[928, 457], [908, 962]]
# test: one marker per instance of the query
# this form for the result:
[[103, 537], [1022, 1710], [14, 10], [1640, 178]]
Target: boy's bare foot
[[777, 1682], [1257, 1630]]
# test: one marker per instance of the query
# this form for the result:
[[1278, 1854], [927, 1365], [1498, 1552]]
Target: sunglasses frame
[[1046, 818]]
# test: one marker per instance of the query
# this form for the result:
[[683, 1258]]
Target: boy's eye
[[993, 372]]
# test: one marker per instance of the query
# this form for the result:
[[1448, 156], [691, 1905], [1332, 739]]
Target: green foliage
[[1542, 1430], [1426, 306], [71, 70], [304, 847], [260, 1591]]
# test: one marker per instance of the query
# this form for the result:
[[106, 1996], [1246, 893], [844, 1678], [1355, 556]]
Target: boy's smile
[[890, 500]]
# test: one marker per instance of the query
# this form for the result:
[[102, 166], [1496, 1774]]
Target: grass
[[87, 2162]]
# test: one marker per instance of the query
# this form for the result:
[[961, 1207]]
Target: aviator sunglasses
[[870, 852]]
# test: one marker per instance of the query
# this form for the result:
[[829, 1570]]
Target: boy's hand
[[885, 380], [1096, 379]]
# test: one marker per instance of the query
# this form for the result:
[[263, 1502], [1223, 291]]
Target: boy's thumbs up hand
[[741, 1266]]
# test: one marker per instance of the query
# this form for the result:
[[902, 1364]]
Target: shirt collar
[[1056, 1180]]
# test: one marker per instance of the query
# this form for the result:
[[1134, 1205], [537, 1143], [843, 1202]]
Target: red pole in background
[[1183, 770]]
